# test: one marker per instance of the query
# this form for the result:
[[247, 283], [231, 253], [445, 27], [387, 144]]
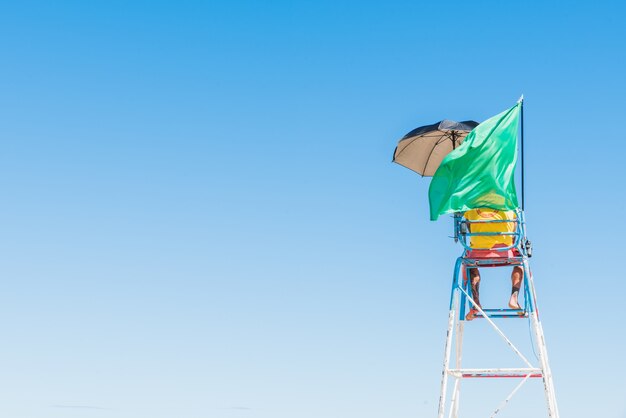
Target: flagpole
[[521, 102]]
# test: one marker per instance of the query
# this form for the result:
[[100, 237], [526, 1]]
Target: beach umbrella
[[422, 149]]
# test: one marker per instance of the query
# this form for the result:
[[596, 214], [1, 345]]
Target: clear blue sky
[[200, 217]]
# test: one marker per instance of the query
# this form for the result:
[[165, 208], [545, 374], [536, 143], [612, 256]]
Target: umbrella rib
[[414, 141], [431, 152]]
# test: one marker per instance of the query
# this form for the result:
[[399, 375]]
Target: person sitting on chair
[[484, 243]]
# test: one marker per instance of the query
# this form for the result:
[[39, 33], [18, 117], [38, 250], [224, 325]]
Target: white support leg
[[446, 362], [542, 353], [547, 376], [454, 407]]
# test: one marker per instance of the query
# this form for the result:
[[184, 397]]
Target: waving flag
[[479, 173]]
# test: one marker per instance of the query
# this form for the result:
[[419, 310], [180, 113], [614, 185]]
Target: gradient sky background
[[200, 217]]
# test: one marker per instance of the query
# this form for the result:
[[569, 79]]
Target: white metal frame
[[456, 324]]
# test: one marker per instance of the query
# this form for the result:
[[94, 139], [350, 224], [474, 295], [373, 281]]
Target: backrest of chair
[[512, 231]]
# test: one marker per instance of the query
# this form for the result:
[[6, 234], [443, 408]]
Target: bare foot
[[513, 303], [471, 314]]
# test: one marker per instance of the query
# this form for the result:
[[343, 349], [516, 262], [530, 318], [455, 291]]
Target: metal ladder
[[516, 254]]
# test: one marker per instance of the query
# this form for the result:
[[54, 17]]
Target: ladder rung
[[504, 315], [467, 375], [503, 310], [496, 373]]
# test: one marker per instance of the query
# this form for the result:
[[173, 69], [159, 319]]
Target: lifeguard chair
[[461, 299]]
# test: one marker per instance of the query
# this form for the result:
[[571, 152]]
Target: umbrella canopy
[[422, 149]]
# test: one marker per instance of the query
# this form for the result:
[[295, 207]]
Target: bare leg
[[475, 283], [516, 281]]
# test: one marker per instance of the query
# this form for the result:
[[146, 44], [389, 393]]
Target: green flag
[[480, 172]]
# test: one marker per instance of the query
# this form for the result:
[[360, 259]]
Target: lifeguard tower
[[473, 166], [461, 300]]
